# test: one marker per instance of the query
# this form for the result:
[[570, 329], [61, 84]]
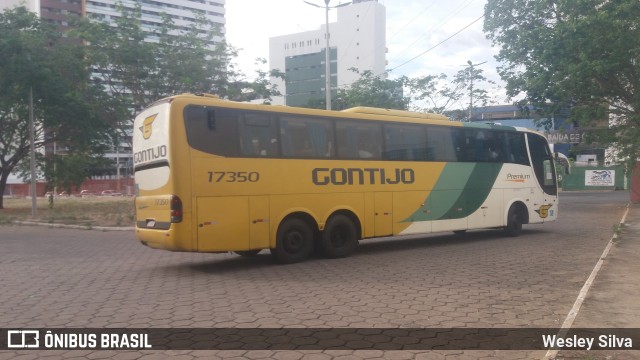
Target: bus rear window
[[214, 131]]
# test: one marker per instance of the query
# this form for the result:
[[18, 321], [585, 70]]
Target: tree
[[136, 72], [433, 93], [430, 93], [466, 79], [579, 54], [371, 90], [34, 57]]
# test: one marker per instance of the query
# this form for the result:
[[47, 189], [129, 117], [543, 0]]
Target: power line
[[411, 21], [438, 44], [344, 85], [443, 22], [367, 56]]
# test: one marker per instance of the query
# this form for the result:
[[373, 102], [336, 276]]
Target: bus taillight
[[176, 209]]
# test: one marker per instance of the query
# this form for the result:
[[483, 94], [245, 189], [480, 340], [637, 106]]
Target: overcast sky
[[413, 27]]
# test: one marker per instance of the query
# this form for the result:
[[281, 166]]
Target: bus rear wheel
[[339, 238], [294, 241]]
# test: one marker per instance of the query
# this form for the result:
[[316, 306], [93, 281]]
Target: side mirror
[[563, 162]]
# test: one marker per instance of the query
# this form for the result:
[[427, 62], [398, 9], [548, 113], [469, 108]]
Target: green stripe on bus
[[473, 196], [446, 192], [453, 196]]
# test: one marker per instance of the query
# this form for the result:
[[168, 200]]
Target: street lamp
[[327, 71]]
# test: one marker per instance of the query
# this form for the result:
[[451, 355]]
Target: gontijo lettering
[[357, 176], [154, 153]]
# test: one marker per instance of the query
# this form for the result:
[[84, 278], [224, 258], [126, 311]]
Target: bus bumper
[[163, 239]]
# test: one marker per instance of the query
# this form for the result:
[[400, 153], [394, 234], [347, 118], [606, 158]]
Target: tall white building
[[357, 40], [31, 5], [182, 12]]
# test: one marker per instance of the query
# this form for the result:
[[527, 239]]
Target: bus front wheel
[[514, 221], [339, 238], [294, 241]]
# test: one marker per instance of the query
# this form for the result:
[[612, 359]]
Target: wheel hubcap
[[294, 242], [338, 237]]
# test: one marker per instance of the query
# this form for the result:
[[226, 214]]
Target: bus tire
[[294, 241], [339, 238], [248, 253], [514, 221]]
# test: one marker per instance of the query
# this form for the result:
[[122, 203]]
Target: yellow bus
[[221, 176]]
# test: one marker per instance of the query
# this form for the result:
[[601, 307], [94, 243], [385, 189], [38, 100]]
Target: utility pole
[[32, 150], [327, 58], [117, 162], [471, 66]]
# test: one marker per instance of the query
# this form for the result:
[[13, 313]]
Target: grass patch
[[94, 211]]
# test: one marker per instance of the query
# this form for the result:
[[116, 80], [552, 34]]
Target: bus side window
[[440, 144], [468, 148], [258, 135], [516, 148], [357, 140], [405, 142], [304, 137]]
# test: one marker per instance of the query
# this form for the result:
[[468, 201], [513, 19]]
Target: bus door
[[544, 206], [383, 213]]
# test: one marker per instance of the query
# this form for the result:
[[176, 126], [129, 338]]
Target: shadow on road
[[368, 247]]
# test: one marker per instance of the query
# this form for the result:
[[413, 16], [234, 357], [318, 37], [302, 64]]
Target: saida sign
[[569, 137]]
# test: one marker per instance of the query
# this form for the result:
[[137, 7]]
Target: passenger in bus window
[[257, 149], [493, 153], [364, 148]]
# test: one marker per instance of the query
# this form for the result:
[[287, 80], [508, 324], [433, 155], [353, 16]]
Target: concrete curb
[[81, 227]]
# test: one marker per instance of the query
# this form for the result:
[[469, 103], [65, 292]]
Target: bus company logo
[[147, 127], [23, 339], [544, 212]]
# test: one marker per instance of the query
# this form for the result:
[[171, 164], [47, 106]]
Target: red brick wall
[[124, 186], [635, 184]]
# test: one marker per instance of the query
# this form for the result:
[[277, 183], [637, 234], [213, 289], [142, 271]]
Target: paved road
[[77, 278]]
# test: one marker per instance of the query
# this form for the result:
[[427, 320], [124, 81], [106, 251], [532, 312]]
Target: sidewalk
[[613, 301], [80, 227]]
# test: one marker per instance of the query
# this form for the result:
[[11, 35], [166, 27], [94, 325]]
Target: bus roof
[[367, 113], [393, 112]]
